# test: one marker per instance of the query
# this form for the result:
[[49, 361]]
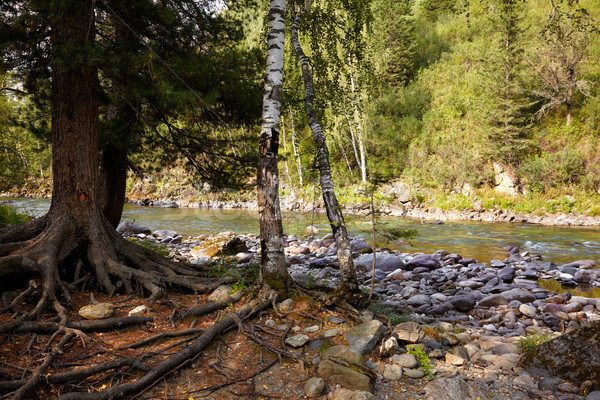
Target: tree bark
[[273, 266], [349, 283], [295, 148]]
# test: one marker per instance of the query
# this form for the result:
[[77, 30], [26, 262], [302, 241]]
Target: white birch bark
[[361, 144], [273, 268]]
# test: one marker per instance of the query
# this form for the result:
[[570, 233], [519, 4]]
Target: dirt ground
[[232, 367]]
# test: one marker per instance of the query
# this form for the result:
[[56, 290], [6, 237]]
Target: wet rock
[[314, 387], [574, 356], [409, 332], [97, 311], [584, 276], [383, 262], [346, 367], [364, 337], [422, 260], [131, 228]]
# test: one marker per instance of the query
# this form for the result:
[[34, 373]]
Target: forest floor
[[232, 367]]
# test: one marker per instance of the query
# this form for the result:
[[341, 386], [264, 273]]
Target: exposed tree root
[[177, 360]]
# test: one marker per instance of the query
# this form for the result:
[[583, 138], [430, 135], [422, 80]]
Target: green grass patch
[[159, 248], [533, 340], [392, 313]]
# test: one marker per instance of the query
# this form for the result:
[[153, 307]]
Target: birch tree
[[349, 283], [273, 268]]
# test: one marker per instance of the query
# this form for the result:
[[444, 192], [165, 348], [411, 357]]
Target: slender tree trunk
[[349, 283], [295, 148], [356, 156], [285, 152], [273, 267], [361, 144]]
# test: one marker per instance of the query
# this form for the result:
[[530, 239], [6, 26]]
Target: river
[[480, 240]]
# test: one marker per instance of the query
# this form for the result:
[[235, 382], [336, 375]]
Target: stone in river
[[422, 260], [128, 227]]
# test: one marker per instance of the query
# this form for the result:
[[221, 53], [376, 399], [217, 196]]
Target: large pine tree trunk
[[273, 266], [75, 227], [349, 283]]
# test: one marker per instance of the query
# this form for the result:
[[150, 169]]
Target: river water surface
[[480, 240]]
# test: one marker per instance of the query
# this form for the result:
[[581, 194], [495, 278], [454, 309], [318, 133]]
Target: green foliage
[[150, 244], [390, 312], [422, 357], [533, 340], [9, 216]]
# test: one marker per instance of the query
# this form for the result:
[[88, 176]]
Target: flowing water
[[480, 240]]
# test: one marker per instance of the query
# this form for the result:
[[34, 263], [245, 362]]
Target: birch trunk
[[349, 283], [295, 147], [273, 267], [361, 144]]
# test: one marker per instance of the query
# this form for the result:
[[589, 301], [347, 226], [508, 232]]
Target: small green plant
[[237, 286], [533, 340], [423, 359], [456, 330], [9, 216]]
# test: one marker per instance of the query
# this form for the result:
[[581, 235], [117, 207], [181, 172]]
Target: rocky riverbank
[[467, 324]]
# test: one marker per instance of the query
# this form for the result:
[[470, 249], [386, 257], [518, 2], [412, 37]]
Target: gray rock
[[455, 388], [492, 300], [574, 356], [336, 320], [164, 233], [595, 395], [463, 303], [409, 332], [328, 333], [221, 293], [131, 228], [405, 360], [524, 296], [297, 340], [422, 260], [346, 367], [286, 305], [383, 262], [418, 300], [584, 276], [392, 372], [524, 381], [97, 311], [364, 337], [507, 274], [345, 394], [360, 246], [314, 387], [414, 373]]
